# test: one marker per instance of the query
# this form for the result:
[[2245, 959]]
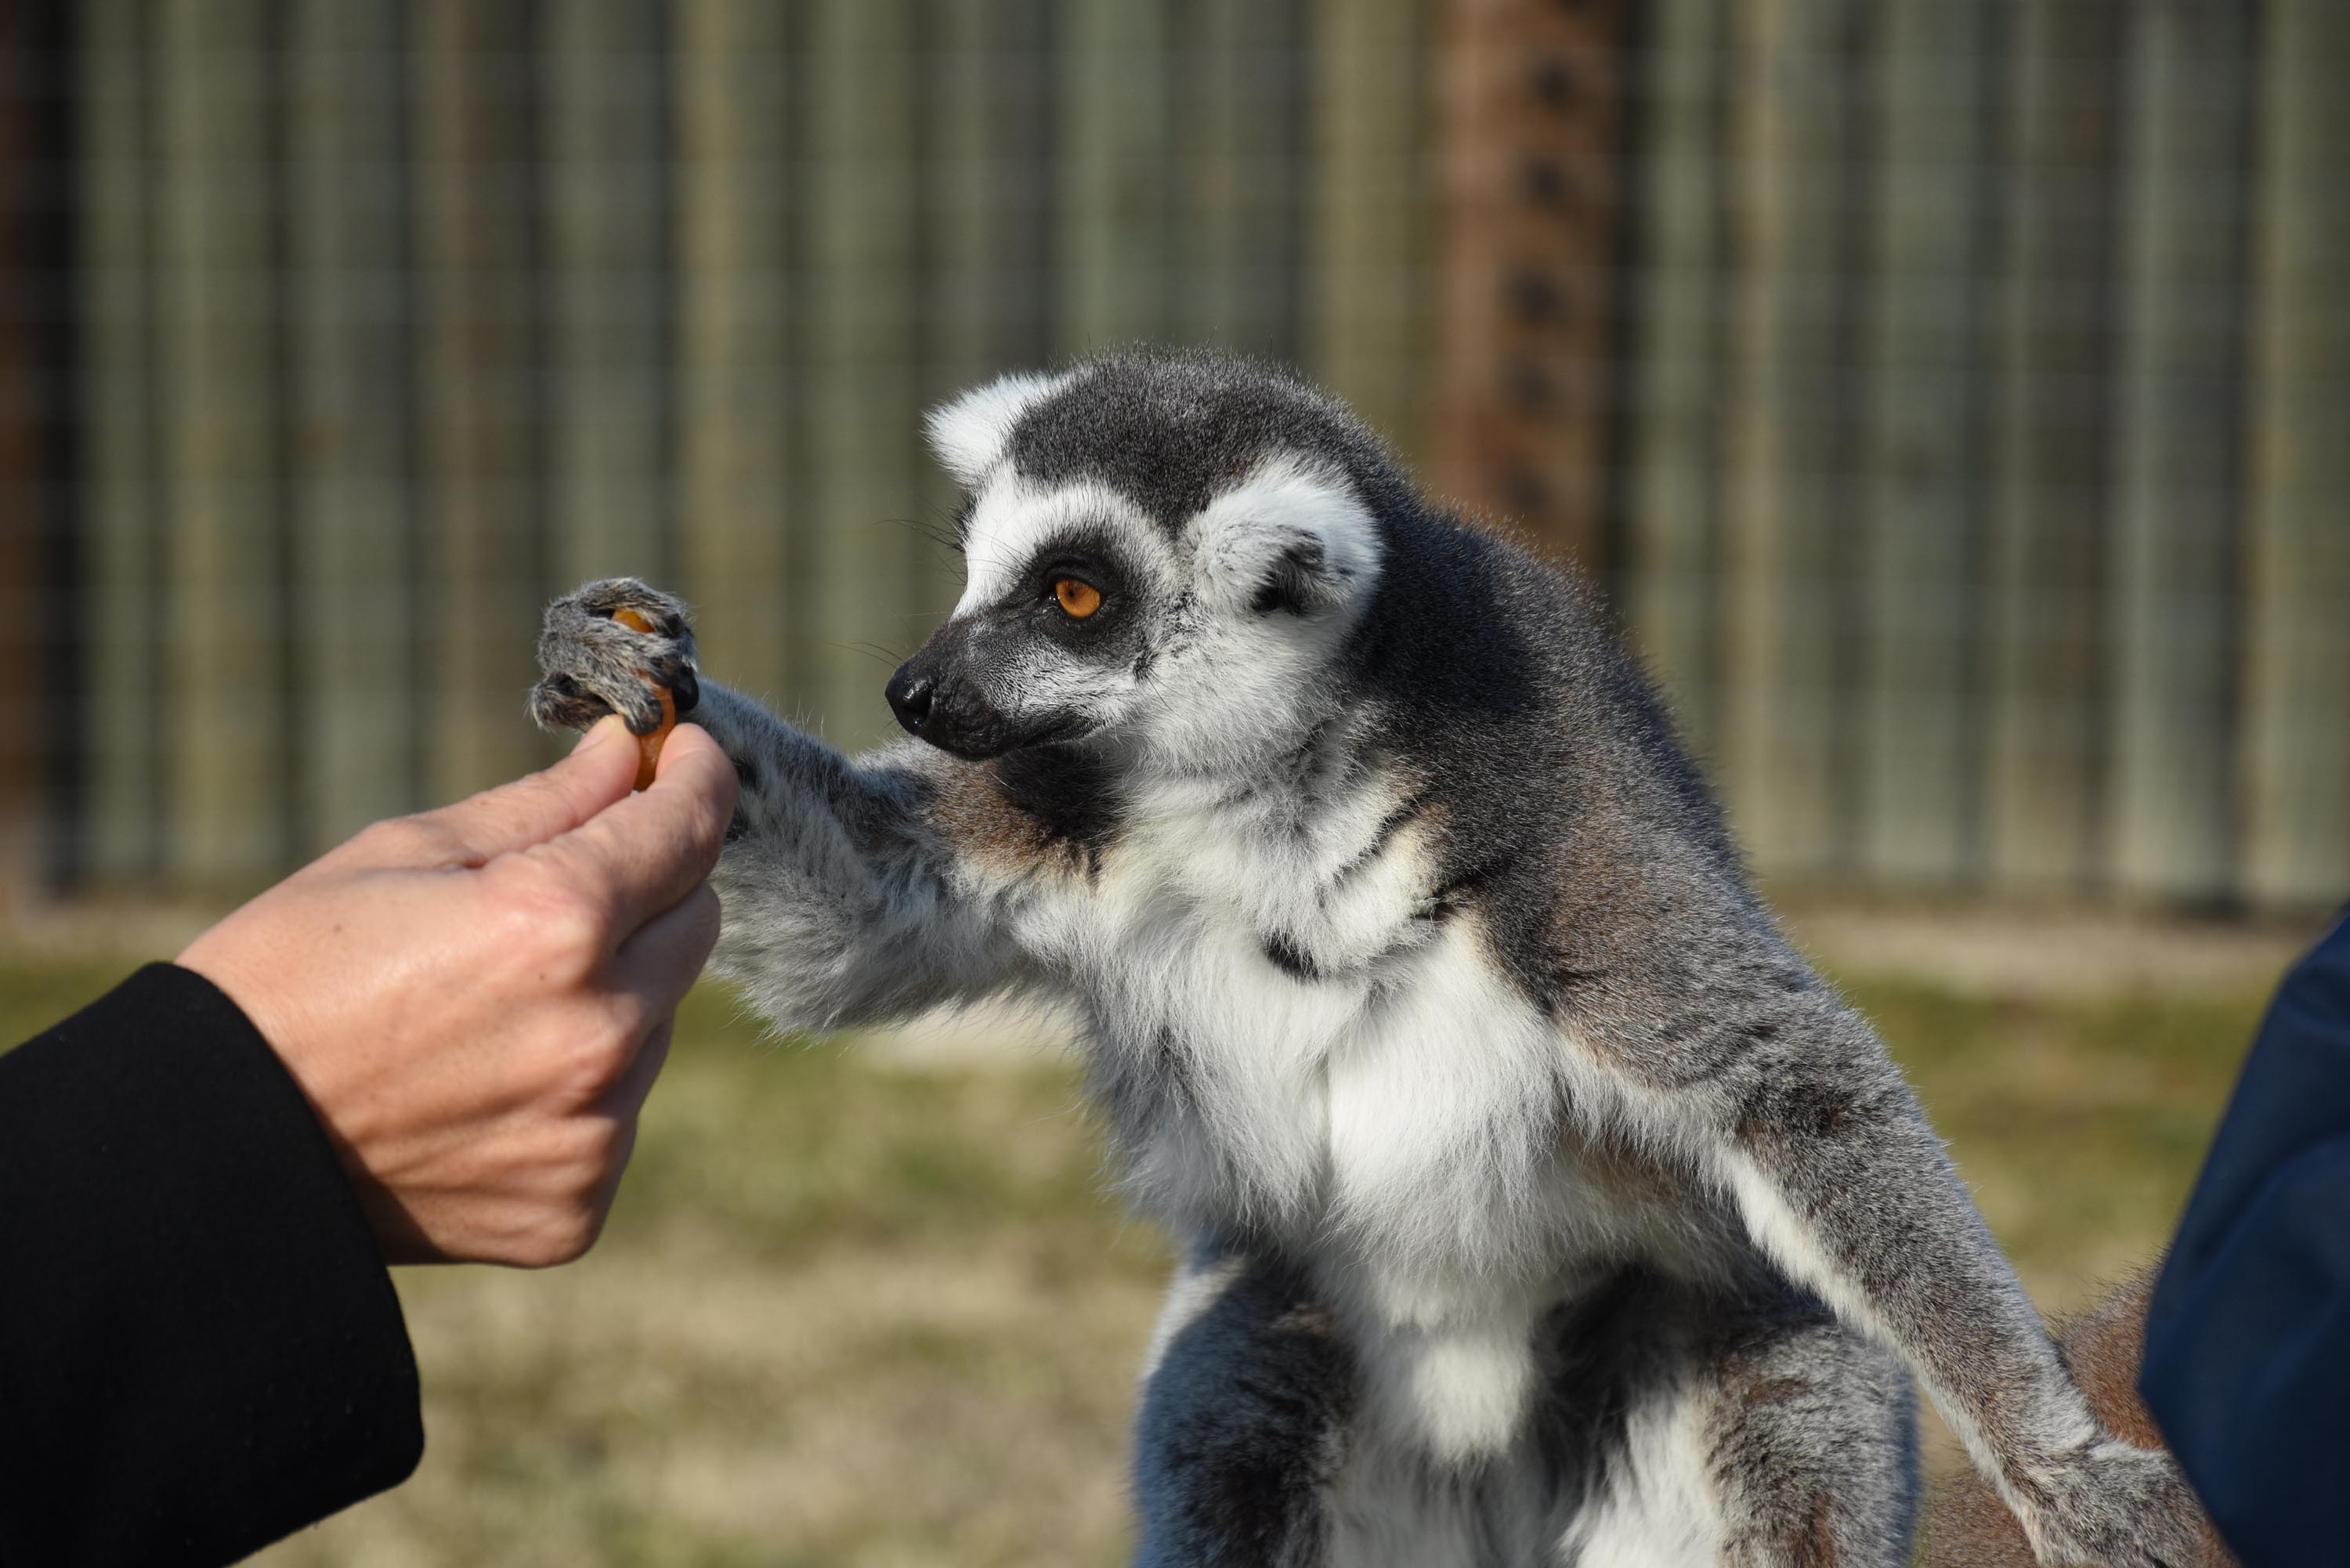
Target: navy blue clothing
[[200, 1347], [2248, 1341]]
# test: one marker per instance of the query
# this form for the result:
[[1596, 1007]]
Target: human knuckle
[[615, 1021], [602, 1142], [552, 915], [565, 1238], [597, 1060]]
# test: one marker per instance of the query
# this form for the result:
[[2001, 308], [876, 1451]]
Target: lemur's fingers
[[617, 647]]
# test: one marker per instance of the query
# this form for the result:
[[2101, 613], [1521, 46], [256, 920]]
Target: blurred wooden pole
[[1529, 133], [1788, 565], [606, 152], [1366, 271], [1924, 442], [2178, 466], [1239, 201], [349, 402], [474, 75], [226, 675], [986, 200], [2295, 778], [1673, 540], [37, 194], [855, 597], [120, 534], [1117, 160], [732, 92], [2045, 735]]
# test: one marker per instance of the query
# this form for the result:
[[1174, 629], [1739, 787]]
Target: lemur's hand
[[594, 664], [2108, 1504]]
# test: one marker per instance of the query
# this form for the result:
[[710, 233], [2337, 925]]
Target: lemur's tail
[[1967, 1525]]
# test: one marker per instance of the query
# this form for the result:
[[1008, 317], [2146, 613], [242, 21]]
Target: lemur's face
[[1145, 564]]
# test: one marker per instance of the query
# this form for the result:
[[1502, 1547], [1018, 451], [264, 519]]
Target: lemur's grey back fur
[[1543, 1204]]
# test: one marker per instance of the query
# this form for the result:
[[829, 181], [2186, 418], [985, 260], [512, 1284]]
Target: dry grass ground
[[853, 1311]]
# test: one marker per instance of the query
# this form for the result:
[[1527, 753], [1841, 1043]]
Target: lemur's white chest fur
[[1325, 1063]]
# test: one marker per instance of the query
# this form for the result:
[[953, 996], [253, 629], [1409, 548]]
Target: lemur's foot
[[2112, 1505], [596, 662]]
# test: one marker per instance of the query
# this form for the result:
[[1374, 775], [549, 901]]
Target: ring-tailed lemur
[[1542, 1204]]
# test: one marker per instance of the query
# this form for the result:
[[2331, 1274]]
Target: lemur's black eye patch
[[1078, 574]]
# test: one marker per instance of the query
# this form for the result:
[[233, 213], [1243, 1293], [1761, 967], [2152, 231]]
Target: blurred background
[[1953, 397]]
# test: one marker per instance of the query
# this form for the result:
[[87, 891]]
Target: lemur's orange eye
[[1079, 598]]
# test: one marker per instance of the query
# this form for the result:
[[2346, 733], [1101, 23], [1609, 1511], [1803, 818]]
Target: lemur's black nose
[[910, 692]]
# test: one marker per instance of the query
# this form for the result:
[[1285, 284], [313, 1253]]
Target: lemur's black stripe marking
[[1560, 986], [1460, 889], [1070, 792], [1290, 959], [1382, 837]]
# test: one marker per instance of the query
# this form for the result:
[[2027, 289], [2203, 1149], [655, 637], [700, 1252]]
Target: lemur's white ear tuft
[[1292, 538], [969, 433]]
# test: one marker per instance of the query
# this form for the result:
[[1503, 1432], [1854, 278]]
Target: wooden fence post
[[474, 75], [2045, 735], [1529, 133], [1367, 269], [734, 93], [1118, 165], [36, 621], [606, 162], [1787, 518], [348, 406], [217, 325], [2296, 754], [987, 251], [121, 534], [2178, 467], [1923, 445], [1673, 539], [1239, 134], [854, 597]]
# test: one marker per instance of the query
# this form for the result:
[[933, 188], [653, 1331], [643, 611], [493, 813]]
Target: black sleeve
[[2248, 1339], [200, 1346]]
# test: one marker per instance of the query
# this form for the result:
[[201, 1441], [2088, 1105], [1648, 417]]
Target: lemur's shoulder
[[1578, 825]]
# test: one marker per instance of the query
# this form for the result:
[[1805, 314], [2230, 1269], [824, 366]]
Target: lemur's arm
[[843, 905], [1731, 1046]]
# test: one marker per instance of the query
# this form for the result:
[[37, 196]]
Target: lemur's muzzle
[[936, 697]]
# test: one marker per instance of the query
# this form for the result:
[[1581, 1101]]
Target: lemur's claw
[[594, 663], [2113, 1504]]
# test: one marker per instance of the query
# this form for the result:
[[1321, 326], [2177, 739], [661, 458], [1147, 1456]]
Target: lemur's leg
[[1784, 1094], [1243, 1422], [1810, 1438], [842, 907]]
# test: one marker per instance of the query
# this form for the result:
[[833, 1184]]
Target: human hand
[[477, 1000]]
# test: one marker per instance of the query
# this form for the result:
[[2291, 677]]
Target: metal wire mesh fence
[[1955, 394]]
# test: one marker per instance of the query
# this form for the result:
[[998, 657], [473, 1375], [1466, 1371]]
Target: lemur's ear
[[1291, 539], [970, 431]]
